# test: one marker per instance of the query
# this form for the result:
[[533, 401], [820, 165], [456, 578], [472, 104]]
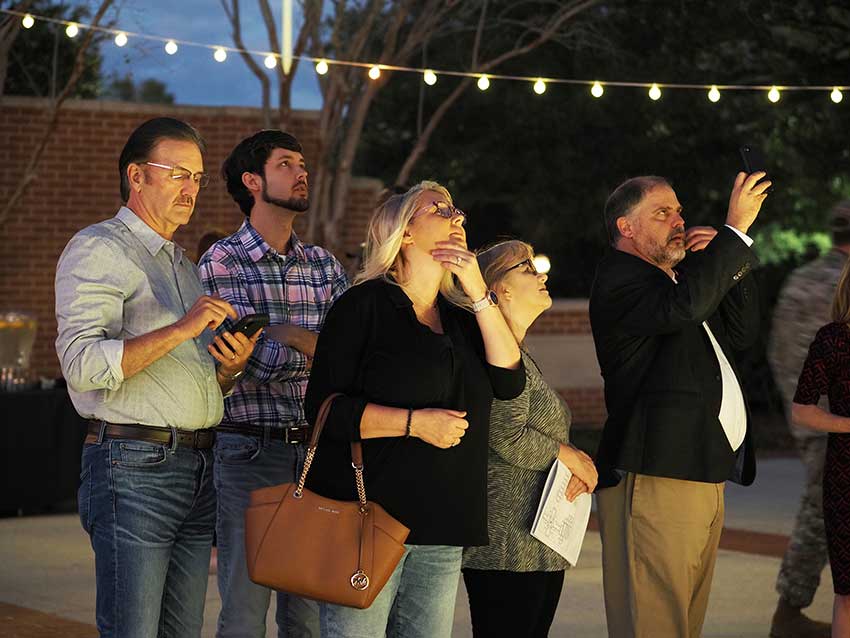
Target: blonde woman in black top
[[514, 583], [419, 351]]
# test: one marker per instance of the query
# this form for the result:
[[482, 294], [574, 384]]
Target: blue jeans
[[149, 510], [418, 600], [244, 463]]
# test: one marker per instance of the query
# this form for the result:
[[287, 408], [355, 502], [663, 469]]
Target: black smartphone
[[249, 324], [754, 161]]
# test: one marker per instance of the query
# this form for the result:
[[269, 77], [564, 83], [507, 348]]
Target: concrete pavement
[[47, 574]]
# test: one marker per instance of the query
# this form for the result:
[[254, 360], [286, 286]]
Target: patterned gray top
[[525, 435]]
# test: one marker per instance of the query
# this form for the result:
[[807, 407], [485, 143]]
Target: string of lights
[[429, 76]]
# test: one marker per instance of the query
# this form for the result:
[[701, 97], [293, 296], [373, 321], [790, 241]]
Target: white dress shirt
[[733, 413]]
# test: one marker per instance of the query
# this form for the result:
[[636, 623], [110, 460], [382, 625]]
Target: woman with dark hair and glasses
[[419, 350], [514, 583]]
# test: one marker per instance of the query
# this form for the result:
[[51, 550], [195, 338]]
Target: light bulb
[[220, 54], [429, 77], [374, 73], [596, 90], [72, 30], [714, 93], [321, 67], [773, 95], [836, 95], [540, 87], [28, 21], [541, 264], [171, 47], [654, 92], [270, 61], [483, 83], [121, 39]]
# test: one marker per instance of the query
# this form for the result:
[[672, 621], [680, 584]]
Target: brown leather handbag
[[340, 552]]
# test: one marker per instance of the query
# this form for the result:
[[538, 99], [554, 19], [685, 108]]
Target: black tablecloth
[[41, 438]]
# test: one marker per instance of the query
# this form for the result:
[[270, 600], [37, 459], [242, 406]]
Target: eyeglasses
[[527, 262], [444, 210], [178, 173]]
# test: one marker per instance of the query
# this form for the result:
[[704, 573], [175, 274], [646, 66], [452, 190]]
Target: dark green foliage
[[31, 58], [541, 166], [151, 91]]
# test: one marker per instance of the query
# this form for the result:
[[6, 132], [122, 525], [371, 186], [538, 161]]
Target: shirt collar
[[398, 296], [149, 238], [257, 247]]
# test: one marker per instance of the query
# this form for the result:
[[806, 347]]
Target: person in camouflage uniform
[[804, 307]]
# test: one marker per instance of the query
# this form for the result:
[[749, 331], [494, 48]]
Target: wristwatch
[[488, 300]]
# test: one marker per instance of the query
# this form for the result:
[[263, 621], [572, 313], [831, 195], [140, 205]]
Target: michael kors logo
[[359, 580], [329, 510]]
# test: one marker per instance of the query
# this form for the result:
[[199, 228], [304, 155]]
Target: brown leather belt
[[196, 439], [298, 434]]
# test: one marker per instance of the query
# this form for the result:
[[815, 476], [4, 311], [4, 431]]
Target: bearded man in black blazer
[[665, 327]]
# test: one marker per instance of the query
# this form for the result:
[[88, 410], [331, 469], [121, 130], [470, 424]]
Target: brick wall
[[77, 185], [561, 343], [560, 320]]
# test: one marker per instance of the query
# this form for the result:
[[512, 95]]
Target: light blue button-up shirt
[[116, 280]]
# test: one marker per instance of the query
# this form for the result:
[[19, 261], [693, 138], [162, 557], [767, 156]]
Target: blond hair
[[841, 300], [496, 260], [383, 258]]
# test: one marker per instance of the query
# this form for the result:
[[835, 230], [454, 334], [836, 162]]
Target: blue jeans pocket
[[139, 454], [236, 449]]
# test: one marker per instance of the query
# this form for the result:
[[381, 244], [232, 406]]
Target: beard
[[667, 254], [297, 204]]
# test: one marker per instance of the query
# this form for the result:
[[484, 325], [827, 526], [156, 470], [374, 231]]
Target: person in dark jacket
[[665, 327]]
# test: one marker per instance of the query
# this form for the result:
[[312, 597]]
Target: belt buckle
[[201, 437], [292, 432]]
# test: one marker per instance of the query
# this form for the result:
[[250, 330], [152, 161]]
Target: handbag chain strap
[[356, 455], [359, 579]]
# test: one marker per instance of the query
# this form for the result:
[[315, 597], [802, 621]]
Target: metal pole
[[286, 39]]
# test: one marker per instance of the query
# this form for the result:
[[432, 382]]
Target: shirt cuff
[[744, 237], [113, 352]]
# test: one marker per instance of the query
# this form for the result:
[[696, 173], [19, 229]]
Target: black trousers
[[512, 604]]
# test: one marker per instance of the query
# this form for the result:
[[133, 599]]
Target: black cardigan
[[662, 379], [374, 350]]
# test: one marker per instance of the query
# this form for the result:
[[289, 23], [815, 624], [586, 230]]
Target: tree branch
[[478, 31], [546, 33], [233, 16], [53, 114], [10, 27]]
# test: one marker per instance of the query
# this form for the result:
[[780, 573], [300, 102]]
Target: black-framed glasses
[[445, 210], [526, 262], [178, 173]]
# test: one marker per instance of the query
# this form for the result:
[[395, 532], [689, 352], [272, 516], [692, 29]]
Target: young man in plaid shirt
[[264, 267]]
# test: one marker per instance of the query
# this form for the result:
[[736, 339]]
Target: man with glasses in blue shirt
[[136, 347]]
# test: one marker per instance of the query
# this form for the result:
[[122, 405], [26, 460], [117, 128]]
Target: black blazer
[[662, 378]]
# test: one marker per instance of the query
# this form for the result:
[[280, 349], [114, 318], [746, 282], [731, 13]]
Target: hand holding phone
[[754, 161], [250, 324]]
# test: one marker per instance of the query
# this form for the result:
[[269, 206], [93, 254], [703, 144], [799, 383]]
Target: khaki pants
[[659, 545]]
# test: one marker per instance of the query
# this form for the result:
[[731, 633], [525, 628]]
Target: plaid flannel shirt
[[296, 288]]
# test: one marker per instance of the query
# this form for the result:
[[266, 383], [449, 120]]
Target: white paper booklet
[[558, 523]]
